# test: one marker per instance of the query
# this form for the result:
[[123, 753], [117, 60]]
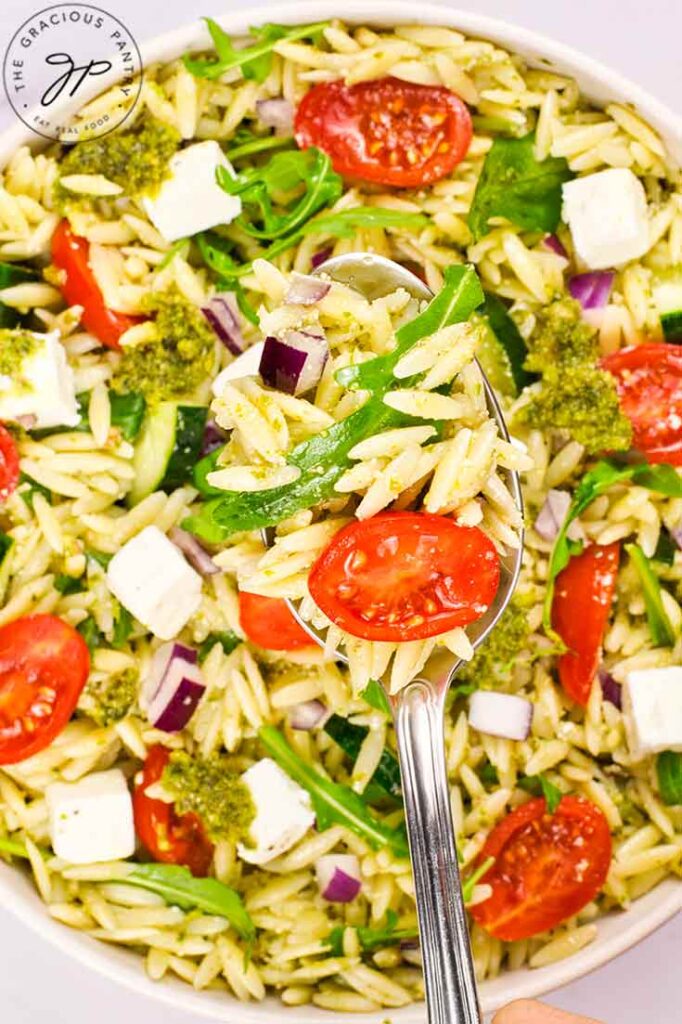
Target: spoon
[[418, 711]]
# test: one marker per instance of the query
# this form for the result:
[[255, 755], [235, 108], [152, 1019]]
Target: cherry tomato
[[44, 665], [547, 867], [389, 131], [268, 623], [9, 464], [169, 837], [580, 612], [405, 576], [70, 254], [649, 384]]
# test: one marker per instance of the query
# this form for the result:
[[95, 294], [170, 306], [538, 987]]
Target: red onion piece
[[221, 314], [552, 514], [173, 688], [305, 290], [195, 554], [308, 715], [500, 714], [295, 363], [592, 290], [277, 113], [554, 243], [320, 257], [338, 876], [214, 437], [611, 690], [28, 421], [676, 534]]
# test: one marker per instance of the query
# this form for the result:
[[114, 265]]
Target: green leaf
[[344, 223], [516, 186], [13, 847], [247, 143], [101, 557], [123, 627], [510, 340], [666, 549], [227, 640], [539, 785], [174, 250], [460, 295], [67, 584], [475, 877], [386, 779], [375, 695], [180, 888], [89, 630], [254, 60], [669, 773], [333, 802], [660, 626], [28, 493]]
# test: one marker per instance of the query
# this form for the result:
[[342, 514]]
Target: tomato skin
[[44, 665], [70, 254], [547, 867], [583, 596], [169, 837], [405, 576], [9, 464], [268, 623], [387, 131], [649, 384]]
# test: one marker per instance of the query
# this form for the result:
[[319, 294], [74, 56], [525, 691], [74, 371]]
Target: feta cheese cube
[[191, 200], [608, 217], [245, 365], [153, 581], [43, 386], [91, 820], [652, 709], [283, 812]]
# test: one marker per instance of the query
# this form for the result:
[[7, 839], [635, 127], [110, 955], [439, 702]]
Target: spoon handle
[[448, 966]]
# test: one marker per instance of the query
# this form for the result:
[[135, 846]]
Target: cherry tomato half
[[582, 602], [70, 254], [405, 576], [547, 867], [268, 623], [389, 131], [9, 464], [44, 665], [169, 837], [649, 384]]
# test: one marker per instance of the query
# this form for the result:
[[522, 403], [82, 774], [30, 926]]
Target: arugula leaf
[[660, 626], [344, 223], [661, 478], [123, 627], [510, 340], [180, 888], [386, 779], [375, 695], [669, 774], [255, 60], [516, 186], [460, 295], [90, 632], [247, 143], [67, 584], [101, 557], [333, 802], [127, 413], [539, 785], [227, 640], [28, 493], [174, 250]]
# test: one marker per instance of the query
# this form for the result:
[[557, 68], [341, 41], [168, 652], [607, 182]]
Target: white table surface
[[38, 983]]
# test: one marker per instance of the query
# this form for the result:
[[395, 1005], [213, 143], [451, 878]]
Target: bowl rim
[[598, 82]]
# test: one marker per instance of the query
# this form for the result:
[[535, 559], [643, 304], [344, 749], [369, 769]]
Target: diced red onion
[[320, 257], [676, 534], [221, 314], [411, 952], [554, 243], [195, 554], [611, 690], [294, 364], [308, 715], [500, 714], [338, 876], [305, 290], [277, 113], [552, 514], [592, 290], [214, 437], [173, 688], [28, 421]]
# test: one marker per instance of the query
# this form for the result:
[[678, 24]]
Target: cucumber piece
[[209, 464], [386, 779], [6, 545], [506, 361], [11, 274], [667, 292], [167, 448]]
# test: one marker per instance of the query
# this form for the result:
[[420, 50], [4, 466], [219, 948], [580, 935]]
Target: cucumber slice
[[667, 292], [167, 448], [503, 354]]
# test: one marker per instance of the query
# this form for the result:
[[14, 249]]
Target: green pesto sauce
[[15, 346], [214, 791], [109, 703], [574, 394], [179, 360], [136, 159], [494, 660]]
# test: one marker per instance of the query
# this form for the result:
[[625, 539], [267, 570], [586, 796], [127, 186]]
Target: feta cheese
[[191, 200], [91, 820], [608, 217], [153, 581], [652, 709], [245, 365], [43, 386], [283, 812]]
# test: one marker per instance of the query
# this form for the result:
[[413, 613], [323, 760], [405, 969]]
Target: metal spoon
[[418, 711]]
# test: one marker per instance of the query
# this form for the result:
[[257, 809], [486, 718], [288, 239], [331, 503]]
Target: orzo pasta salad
[[182, 770]]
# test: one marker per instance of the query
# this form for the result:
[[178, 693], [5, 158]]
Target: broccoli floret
[[494, 660]]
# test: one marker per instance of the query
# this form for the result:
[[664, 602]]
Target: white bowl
[[616, 932]]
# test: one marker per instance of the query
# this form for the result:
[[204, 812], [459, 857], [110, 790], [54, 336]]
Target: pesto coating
[[493, 662], [15, 347], [109, 703], [178, 361], [136, 159], [211, 788]]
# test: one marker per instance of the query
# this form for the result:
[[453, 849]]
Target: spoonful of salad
[[392, 523]]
